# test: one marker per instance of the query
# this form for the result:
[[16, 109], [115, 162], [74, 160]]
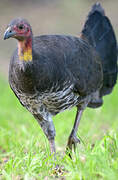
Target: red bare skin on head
[[22, 30]]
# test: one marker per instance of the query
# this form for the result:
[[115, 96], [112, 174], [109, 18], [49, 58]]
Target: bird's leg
[[52, 146], [49, 130], [73, 140]]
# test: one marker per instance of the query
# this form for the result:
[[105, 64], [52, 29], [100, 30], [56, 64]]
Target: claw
[[72, 141]]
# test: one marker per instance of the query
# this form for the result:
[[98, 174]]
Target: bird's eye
[[21, 26]]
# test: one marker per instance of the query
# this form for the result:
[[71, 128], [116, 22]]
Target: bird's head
[[21, 30]]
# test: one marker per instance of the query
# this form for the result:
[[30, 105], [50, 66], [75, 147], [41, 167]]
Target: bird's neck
[[25, 49]]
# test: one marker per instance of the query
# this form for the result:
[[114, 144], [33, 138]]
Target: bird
[[52, 73]]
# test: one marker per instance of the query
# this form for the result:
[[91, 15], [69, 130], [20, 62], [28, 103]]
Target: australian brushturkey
[[52, 73]]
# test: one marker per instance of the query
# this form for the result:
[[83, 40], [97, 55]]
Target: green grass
[[24, 150]]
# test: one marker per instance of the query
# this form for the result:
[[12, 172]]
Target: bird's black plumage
[[60, 64], [64, 71]]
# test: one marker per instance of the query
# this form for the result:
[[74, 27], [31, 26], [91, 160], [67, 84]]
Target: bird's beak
[[9, 33]]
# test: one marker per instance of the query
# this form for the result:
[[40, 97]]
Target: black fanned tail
[[100, 34]]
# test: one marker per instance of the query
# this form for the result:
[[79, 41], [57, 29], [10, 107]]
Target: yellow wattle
[[26, 56]]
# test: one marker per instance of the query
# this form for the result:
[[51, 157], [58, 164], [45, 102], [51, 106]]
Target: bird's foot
[[72, 142]]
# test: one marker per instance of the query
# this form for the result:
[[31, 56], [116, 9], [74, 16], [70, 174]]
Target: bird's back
[[69, 57]]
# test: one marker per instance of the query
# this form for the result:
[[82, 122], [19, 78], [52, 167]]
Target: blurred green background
[[48, 17]]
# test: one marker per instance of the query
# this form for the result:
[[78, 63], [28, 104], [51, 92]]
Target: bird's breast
[[50, 102]]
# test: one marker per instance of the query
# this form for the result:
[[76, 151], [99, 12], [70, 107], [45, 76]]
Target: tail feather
[[97, 7], [99, 32]]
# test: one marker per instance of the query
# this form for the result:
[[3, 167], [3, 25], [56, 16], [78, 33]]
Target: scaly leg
[[49, 130], [73, 140]]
